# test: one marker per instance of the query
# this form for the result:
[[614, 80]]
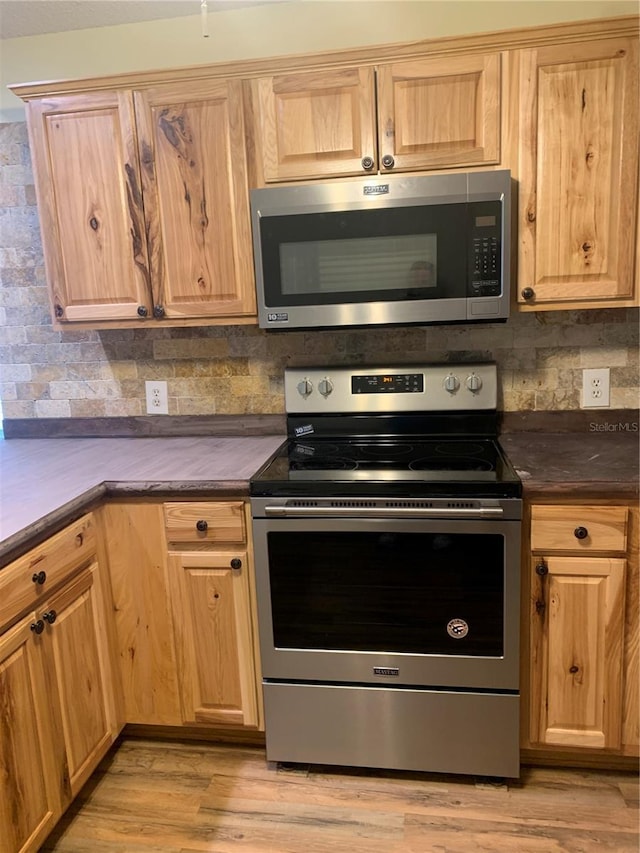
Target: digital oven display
[[388, 383]]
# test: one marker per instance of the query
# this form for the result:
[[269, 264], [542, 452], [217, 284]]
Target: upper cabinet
[[439, 113], [87, 179], [415, 115], [143, 180], [315, 124], [196, 201], [577, 168], [144, 204]]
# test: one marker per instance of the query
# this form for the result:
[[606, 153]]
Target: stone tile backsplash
[[239, 369]]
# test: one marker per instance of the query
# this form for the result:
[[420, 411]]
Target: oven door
[[394, 601]]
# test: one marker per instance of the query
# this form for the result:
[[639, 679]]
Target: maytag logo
[[386, 670], [376, 189]]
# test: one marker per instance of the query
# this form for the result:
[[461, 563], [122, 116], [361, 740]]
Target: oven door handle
[[385, 512]]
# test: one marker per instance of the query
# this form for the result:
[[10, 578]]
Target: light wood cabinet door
[[316, 124], [577, 644], [192, 152], [631, 661], [439, 113], [214, 638], [90, 204], [577, 173], [79, 673], [30, 795], [142, 615]]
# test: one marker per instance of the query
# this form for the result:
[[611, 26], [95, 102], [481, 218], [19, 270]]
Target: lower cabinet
[[57, 714], [582, 619], [182, 582], [212, 627], [32, 779]]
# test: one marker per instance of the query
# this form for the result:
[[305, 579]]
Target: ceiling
[[36, 17]]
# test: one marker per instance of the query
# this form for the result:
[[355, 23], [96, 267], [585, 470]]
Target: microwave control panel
[[485, 262]]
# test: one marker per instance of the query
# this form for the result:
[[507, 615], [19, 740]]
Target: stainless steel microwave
[[384, 250]]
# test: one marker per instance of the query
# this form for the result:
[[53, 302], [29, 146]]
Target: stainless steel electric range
[[387, 551]]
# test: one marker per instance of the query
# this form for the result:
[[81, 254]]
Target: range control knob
[[305, 387], [451, 383], [474, 383], [325, 387]]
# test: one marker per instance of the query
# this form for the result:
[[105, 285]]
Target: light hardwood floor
[[168, 797]]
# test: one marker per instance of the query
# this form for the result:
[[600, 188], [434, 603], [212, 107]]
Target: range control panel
[[409, 388]]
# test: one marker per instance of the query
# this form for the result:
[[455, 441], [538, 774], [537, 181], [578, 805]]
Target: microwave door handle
[[384, 512]]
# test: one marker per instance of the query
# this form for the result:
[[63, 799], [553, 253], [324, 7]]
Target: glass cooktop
[[416, 466]]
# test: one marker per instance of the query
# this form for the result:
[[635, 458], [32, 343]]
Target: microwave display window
[[485, 222], [360, 265], [408, 253]]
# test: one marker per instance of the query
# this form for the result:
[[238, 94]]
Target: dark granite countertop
[[45, 483], [579, 465]]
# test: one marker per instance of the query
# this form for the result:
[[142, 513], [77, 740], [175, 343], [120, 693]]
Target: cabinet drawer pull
[[202, 525], [37, 627], [39, 577], [50, 616], [236, 563], [388, 162], [581, 532], [542, 569], [367, 163]]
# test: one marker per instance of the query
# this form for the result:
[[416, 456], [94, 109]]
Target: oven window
[[425, 593]]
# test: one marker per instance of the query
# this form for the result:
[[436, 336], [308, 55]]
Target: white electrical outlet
[[595, 387], [157, 400]]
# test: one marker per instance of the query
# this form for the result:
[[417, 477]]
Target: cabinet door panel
[[440, 112], [212, 623], [90, 205], [141, 613], [578, 160], [194, 174], [78, 659], [631, 702], [577, 637], [30, 800], [316, 124]]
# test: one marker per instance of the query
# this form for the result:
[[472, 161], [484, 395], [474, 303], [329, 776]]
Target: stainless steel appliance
[[383, 250], [387, 550]]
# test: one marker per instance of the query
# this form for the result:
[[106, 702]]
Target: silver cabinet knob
[[325, 387], [474, 383], [305, 387], [451, 383]]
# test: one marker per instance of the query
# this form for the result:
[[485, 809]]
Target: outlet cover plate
[[595, 388], [157, 398]]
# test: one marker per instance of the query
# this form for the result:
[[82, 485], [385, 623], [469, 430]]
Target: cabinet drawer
[[205, 522], [579, 528], [30, 578]]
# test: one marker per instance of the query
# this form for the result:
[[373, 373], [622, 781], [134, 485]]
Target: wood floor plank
[[475, 836], [466, 802], [172, 797]]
